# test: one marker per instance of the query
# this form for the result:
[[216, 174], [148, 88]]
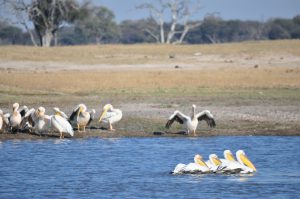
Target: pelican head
[[105, 109], [41, 111], [228, 155], [56, 110], [243, 159], [198, 160], [194, 107], [82, 108], [215, 160], [15, 106]]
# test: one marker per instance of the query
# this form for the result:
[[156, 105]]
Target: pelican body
[[80, 117], [191, 123], [15, 118], [110, 115]]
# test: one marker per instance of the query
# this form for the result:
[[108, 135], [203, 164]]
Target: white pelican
[[110, 115], [191, 123], [4, 121], [15, 118], [80, 117], [1, 120], [61, 124], [198, 166], [242, 165]]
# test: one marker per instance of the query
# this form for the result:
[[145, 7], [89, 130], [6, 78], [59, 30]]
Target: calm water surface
[[139, 168]]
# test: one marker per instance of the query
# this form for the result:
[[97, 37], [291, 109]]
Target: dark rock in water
[[255, 66], [176, 66], [158, 133]]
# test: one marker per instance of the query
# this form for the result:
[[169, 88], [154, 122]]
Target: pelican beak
[[247, 162], [216, 161], [230, 157], [80, 110], [103, 114], [202, 163]]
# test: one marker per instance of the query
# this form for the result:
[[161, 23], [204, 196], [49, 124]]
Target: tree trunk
[[162, 33], [47, 38]]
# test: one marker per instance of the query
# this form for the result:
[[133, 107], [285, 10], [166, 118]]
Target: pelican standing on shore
[[110, 115], [60, 123], [80, 117], [15, 118], [191, 123]]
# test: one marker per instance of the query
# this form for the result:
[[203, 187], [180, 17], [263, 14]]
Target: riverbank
[[251, 88]]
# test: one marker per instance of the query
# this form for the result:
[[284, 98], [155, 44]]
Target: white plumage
[[110, 115]]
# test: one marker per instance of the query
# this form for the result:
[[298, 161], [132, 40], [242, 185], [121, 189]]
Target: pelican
[[110, 115], [41, 122], [198, 166], [4, 121], [1, 120], [15, 118], [60, 124], [81, 117], [242, 165], [191, 123]]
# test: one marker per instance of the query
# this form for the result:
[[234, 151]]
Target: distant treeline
[[213, 29]]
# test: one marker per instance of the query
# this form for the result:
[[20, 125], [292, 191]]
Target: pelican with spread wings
[[191, 123]]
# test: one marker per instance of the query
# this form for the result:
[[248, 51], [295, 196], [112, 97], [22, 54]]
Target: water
[[139, 168]]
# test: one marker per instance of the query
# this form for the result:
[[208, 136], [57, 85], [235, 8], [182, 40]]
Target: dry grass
[[89, 82], [146, 54]]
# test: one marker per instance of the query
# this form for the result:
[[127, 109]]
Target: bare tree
[[46, 16], [180, 10]]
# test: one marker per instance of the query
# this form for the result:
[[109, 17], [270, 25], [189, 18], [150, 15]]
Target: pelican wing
[[61, 124], [23, 111], [208, 117], [178, 117], [28, 118], [92, 113], [6, 118], [74, 114]]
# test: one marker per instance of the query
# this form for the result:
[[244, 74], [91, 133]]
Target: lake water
[[139, 168]]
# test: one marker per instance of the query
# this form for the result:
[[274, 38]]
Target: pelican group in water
[[81, 117], [191, 123], [219, 166], [110, 115]]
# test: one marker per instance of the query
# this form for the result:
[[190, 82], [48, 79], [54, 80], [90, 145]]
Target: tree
[[99, 24], [180, 11], [46, 16], [138, 31], [10, 34]]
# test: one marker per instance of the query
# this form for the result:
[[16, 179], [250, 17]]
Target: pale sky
[[260, 10]]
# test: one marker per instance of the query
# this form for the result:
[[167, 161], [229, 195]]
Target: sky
[[260, 10]]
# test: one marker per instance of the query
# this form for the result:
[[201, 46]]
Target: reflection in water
[[139, 168]]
